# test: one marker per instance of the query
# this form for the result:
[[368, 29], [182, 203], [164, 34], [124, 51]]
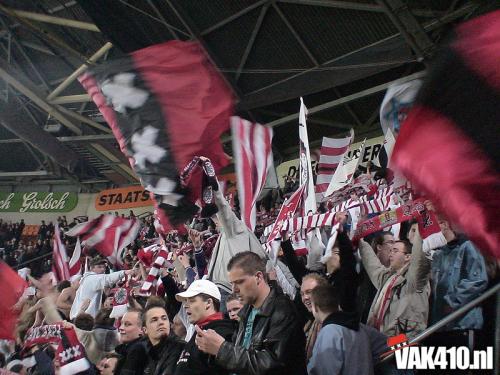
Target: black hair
[[149, 306], [63, 285], [325, 298], [215, 301]]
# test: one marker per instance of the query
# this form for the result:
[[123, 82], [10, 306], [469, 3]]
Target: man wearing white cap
[[202, 303]]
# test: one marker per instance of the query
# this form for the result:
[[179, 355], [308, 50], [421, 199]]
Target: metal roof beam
[[251, 41], [24, 174], [73, 76], [54, 20], [75, 138], [164, 21], [22, 84], [346, 99], [195, 34], [50, 38], [235, 16], [68, 99], [429, 26], [408, 26], [351, 5], [296, 35]]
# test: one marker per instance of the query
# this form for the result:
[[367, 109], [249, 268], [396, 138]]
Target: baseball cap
[[199, 287]]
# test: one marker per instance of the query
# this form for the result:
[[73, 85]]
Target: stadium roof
[[339, 55]]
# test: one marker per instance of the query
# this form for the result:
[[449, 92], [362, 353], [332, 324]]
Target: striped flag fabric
[[59, 257], [305, 168], [331, 155], [253, 158], [166, 104], [108, 234], [75, 264]]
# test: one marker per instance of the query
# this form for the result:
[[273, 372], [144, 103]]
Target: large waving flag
[[75, 264], [448, 147], [397, 103], [165, 104], [331, 155], [12, 287], [108, 234], [252, 149], [59, 257], [344, 173], [305, 174]]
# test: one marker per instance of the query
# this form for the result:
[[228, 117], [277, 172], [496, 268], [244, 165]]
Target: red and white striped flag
[[331, 155], [75, 264], [108, 234], [253, 157], [59, 257]]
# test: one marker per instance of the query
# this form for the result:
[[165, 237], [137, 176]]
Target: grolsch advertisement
[[38, 202], [122, 198]]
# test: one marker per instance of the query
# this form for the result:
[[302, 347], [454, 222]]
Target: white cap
[[198, 287]]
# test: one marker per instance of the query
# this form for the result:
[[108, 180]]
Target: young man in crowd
[[458, 277], [312, 327], [234, 306], [67, 296], [269, 340], [343, 346], [202, 303], [132, 348], [92, 285], [108, 366], [163, 350], [402, 301]]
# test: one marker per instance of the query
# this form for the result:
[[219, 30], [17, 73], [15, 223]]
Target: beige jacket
[[234, 238], [408, 308], [97, 342]]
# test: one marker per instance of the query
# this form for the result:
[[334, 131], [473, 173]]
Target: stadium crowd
[[218, 307]]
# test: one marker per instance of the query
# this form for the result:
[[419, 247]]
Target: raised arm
[[375, 270]]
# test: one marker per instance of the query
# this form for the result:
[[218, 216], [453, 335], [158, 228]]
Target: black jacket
[[134, 357], [162, 358], [277, 345], [194, 362]]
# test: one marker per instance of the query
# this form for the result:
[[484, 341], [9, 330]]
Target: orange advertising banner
[[127, 197]]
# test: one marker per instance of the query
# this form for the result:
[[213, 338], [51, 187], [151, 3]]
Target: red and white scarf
[[70, 351], [154, 272]]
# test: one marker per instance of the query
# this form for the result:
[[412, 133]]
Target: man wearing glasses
[[401, 304]]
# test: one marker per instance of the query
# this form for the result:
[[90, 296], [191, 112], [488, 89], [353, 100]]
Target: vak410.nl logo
[[413, 357]]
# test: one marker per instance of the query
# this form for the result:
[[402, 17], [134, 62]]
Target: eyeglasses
[[394, 251]]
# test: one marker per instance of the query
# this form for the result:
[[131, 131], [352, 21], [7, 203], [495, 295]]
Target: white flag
[[306, 175]]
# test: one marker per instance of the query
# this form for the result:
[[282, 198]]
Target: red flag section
[[11, 289], [448, 146], [59, 257], [108, 234], [253, 157], [166, 104]]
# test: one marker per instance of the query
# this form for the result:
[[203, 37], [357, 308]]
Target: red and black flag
[[166, 104], [448, 146]]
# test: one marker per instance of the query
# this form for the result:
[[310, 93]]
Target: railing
[[22, 265], [458, 313]]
